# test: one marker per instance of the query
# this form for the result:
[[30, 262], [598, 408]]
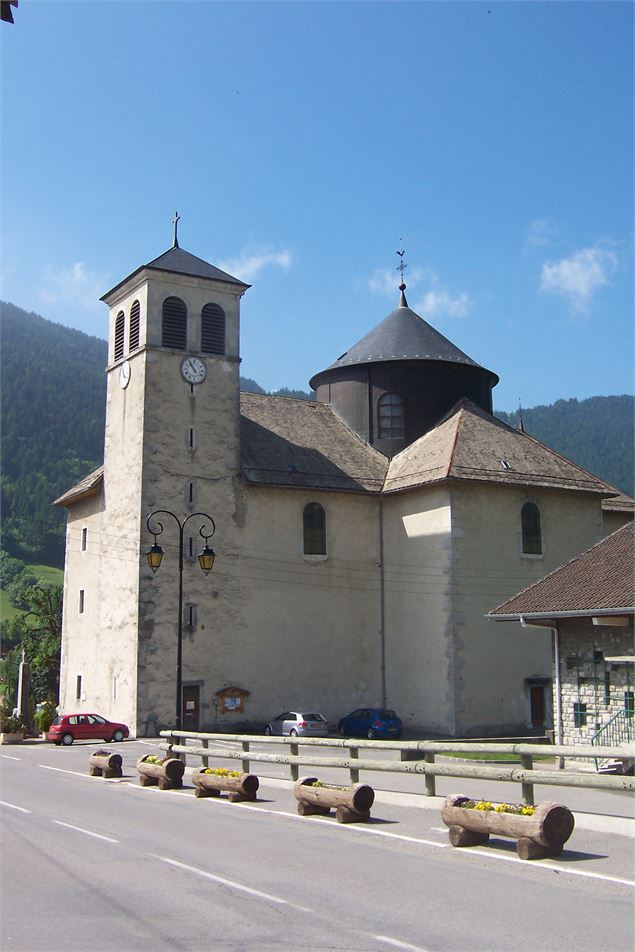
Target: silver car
[[297, 724]]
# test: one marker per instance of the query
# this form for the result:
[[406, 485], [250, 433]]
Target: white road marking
[[232, 884], [397, 944], [80, 829], [13, 806], [542, 865], [75, 773], [8, 757]]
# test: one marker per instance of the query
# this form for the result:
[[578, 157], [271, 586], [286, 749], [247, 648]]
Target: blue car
[[370, 722]]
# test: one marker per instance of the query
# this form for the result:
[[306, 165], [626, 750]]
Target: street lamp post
[[206, 558]]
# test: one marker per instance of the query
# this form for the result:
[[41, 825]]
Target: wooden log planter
[[168, 773], [352, 804], [209, 783], [103, 763], [543, 833]]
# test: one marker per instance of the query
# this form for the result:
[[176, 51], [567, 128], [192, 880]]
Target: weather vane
[[175, 222], [401, 267]]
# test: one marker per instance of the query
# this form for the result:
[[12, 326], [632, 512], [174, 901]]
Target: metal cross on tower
[[401, 267], [175, 222]]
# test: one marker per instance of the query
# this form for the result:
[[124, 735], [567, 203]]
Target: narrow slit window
[[192, 438], [530, 527], [120, 331], [78, 688], [191, 493], [174, 324], [213, 329], [133, 334], [314, 526], [84, 539], [81, 601]]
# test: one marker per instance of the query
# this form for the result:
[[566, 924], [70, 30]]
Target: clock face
[[193, 370], [124, 374]]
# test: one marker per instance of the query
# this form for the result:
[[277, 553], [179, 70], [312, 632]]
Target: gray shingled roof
[[471, 444], [87, 486], [179, 261], [598, 580], [403, 335], [287, 442]]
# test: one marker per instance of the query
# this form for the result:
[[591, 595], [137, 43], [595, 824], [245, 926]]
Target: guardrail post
[[430, 778], [527, 763], [354, 772], [204, 759], [294, 750], [245, 760]]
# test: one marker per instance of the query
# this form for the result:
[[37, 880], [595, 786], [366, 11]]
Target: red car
[[69, 727]]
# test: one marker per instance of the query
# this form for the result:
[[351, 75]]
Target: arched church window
[[133, 334], [120, 324], [213, 329], [390, 413], [174, 324], [530, 528], [314, 525]]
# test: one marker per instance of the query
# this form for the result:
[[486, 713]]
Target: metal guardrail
[[427, 766]]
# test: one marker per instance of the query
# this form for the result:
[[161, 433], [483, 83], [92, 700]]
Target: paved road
[[90, 864]]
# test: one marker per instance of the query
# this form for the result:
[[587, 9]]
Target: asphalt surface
[[91, 864]]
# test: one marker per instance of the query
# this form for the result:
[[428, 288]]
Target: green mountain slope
[[53, 393]]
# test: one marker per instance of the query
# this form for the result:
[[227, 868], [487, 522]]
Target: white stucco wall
[[489, 567]]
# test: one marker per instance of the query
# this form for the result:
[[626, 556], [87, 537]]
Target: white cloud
[[249, 264], [578, 277], [384, 281], [435, 303], [75, 286], [541, 233]]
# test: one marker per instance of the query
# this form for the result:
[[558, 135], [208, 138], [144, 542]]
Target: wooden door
[[191, 707]]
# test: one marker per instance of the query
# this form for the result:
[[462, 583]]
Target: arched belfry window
[[390, 417], [213, 329], [530, 527], [314, 526], [120, 324], [174, 324], [133, 333]]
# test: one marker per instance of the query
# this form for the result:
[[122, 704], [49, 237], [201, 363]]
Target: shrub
[[45, 715]]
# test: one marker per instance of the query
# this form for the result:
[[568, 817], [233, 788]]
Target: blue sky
[[301, 142]]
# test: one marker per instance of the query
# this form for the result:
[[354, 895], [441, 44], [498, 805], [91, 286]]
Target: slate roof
[[288, 442], [304, 444], [88, 486], [472, 445], [179, 261], [403, 335], [599, 580]]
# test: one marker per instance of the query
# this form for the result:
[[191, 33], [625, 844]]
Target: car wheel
[[293, 732], [267, 731], [117, 737], [67, 739], [371, 734]]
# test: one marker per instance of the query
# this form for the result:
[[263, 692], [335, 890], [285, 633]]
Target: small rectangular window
[[629, 703], [579, 714], [84, 538], [192, 438], [78, 688], [81, 601]]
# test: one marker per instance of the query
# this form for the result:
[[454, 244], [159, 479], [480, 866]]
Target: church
[[360, 539]]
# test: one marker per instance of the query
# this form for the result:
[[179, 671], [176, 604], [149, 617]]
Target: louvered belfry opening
[[133, 338], [213, 329], [120, 324], [174, 324]]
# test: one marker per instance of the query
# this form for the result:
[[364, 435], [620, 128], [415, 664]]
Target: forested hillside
[[53, 403]]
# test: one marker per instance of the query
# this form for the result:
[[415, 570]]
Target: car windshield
[[57, 720]]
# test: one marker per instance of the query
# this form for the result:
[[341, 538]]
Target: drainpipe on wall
[[382, 604], [556, 654]]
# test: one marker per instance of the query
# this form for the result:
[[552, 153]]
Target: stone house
[[360, 539], [589, 606]]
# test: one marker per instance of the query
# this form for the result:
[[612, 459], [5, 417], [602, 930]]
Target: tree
[[41, 637]]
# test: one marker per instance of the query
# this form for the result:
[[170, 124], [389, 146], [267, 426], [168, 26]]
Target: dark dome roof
[[403, 335]]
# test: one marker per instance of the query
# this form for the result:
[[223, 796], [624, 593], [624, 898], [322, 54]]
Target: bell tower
[[171, 442]]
